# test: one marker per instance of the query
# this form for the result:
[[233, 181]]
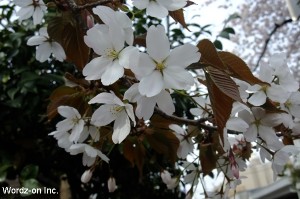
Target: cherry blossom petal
[[277, 93], [132, 94], [65, 125], [58, 51], [145, 108], [152, 84], [104, 115], [196, 111], [25, 12], [105, 13], [172, 5], [121, 128], [237, 124], [23, 3], [44, 51], [183, 56], [165, 102], [95, 68], [258, 98], [98, 38], [87, 160], [68, 112], [177, 129], [177, 78], [38, 15], [90, 151], [140, 4], [158, 46], [129, 111], [268, 135], [76, 131], [127, 56], [154, 9], [103, 98], [36, 40], [251, 134], [102, 156], [77, 148], [113, 72], [145, 65]]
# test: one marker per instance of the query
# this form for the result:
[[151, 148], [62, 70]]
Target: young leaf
[[68, 31], [237, 68], [225, 84], [178, 16], [135, 152], [221, 104], [209, 54], [163, 142], [208, 158]]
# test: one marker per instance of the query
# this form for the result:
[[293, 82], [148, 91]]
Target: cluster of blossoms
[[157, 72]]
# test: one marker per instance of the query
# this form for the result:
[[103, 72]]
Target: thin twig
[[269, 38]]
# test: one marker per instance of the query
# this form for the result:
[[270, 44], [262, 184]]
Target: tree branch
[[74, 7], [268, 40], [198, 122]]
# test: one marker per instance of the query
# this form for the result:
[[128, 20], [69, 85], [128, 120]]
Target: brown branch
[[74, 7], [269, 38], [198, 122]]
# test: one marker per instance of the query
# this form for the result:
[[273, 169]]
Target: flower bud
[[86, 176], [111, 184]]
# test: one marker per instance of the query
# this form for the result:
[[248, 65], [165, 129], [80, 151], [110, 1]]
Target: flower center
[[160, 66], [288, 104], [118, 108], [112, 53], [264, 88]]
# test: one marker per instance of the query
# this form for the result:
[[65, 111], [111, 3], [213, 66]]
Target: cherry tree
[[128, 89]]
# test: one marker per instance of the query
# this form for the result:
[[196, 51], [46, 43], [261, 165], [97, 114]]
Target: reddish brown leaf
[[66, 96], [209, 54], [178, 16], [163, 142], [221, 104], [135, 152], [208, 158], [69, 33], [224, 82], [238, 68]]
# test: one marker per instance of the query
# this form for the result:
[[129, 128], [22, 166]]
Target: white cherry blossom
[[31, 8], [145, 105], [114, 57], [260, 123], [73, 122], [46, 46], [118, 21], [168, 180], [260, 93], [113, 109], [89, 153], [159, 8], [186, 143], [282, 156], [160, 68], [63, 139]]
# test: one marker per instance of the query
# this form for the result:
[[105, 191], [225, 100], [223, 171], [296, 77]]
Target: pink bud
[[86, 176], [111, 184]]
